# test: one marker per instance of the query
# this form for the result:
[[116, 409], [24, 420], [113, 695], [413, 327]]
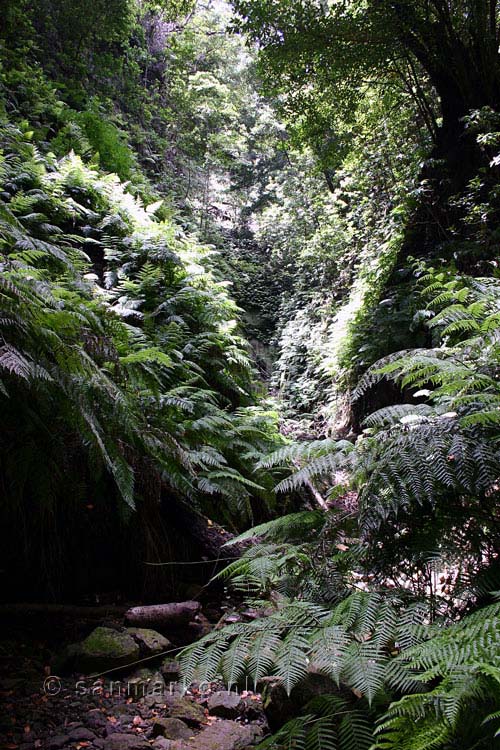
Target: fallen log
[[160, 616]]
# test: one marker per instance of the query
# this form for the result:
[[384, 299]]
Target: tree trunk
[[161, 616]]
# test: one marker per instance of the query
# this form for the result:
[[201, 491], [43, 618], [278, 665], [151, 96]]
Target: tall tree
[[320, 53]]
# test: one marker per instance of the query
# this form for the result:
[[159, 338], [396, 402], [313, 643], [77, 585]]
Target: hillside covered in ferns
[[250, 344]]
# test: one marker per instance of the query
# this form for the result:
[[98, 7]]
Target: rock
[[120, 741], [161, 743], [225, 704], [96, 720], [105, 649], [154, 701], [113, 729], [223, 735], [188, 711], [123, 709], [144, 682], [313, 685], [57, 741], [150, 642], [278, 706], [198, 628], [171, 670], [171, 729], [81, 734], [253, 710]]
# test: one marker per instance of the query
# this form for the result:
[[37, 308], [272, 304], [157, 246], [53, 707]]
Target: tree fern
[[463, 659], [138, 364]]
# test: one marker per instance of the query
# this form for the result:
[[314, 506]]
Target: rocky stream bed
[[118, 688]]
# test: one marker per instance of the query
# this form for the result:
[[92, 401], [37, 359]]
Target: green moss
[[104, 641]]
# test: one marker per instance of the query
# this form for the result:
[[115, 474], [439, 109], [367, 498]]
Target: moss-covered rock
[[150, 642], [188, 711], [171, 729], [105, 649]]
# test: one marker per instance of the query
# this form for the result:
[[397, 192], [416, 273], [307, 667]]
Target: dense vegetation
[[333, 168]]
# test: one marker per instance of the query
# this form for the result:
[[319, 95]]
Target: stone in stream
[[225, 704], [105, 649], [171, 729]]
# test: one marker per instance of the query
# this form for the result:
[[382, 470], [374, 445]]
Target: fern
[[145, 381], [463, 659]]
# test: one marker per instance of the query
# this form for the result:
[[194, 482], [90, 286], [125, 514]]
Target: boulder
[[121, 741], [277, 704], [225, 704], [223, 735], [171, 729], [105, 649], [188, 711], [312, 686], [279, 707], [150, 642]]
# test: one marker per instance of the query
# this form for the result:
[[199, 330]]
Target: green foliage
[[350, 643], [125, 382], [107, 143], [133, 357], [332, 724], [419, 541], [436, 459], [319, 55], [458, 666]]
